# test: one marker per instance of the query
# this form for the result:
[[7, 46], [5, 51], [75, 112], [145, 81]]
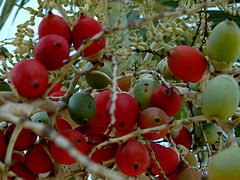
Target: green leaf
[[23, 2], [7, 9]]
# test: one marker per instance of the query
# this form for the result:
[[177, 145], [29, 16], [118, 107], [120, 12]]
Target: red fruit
[[104, 154], [3, 146], [152, 117], [57, 94], [86, 27], [172, 176], [167, 99], [183, 136], [167, 158], [30, 78], [122, 133], [62, 124], [101, 118], [58, 87], [62, 156], [90, 129], [54, 24], [51, 50], [25, 139], [187, 63], [132, 158], [126, 112], [21, 171], [37, 159], [18, 157]]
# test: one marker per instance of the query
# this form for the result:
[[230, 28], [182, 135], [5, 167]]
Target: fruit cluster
[[143, 113]]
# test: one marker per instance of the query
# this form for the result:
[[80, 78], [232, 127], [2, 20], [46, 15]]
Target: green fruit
[[211, 133], [220, 98], [40, 117], [225, 165], [97, 81], [223, 45], [143, 90], [82, 108], [4, 86]]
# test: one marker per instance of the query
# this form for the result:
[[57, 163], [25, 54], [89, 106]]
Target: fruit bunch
[[84, 104]]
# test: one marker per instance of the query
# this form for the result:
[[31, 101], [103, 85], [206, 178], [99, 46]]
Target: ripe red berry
[[152, 117], [37, 159], [132, 158], [61, 155], [62, 124], [51, 50], [18, 157], [91, 129], [167, 158], [58, 87], [167, 99], [21, 171], [104, 154], [101, 118], [25, 139], [3, 145], [126, 112], [182, 136], [187, 63], [30, 78], [86, 27], [57, 94], [54, 24]]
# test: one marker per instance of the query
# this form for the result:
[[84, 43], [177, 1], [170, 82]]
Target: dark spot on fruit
[[157, 120], [135, 166], [58, 44], [168, 54], [121, 125], [122, 146], [90, 105], [230, 19], [39, 120], [79, 141], [32, 134], [35, 84], [146, 84], [28, 77], [145, 90], [50, 12]]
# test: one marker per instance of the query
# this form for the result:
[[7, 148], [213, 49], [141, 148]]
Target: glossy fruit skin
[[104, 154], [81, 108], [86, 27], [91, 129], [20, 170], [223, 45], [101, 118], [167, 158], [132, 158], [126, 112], [62, 124], [211, 132], [30, 78], [37, 159], [167, 99], [25, 139], [152, 117], [3, 145], [97, 81], [143, 90], [62, 156], [187, 63], [225, 165], [173, 176], [40, 117], [54, 24], [58, 87], [220, 98], [182, 136], [51, 50], [57, 94]]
